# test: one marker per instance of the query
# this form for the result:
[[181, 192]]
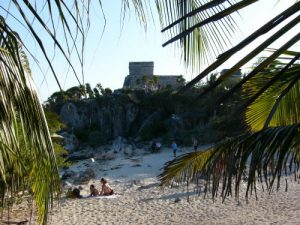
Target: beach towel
[[107, 196], [103, 196]]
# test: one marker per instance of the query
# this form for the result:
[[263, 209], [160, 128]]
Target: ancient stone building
[[141, 76], [236, 76]]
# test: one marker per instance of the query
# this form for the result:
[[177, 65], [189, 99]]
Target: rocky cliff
[[141, 116], [113, 119]]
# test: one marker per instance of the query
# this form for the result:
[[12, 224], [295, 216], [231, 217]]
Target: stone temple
[[141, 76]]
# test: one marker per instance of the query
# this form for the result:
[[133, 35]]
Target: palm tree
[[271, 146], [145, 81], [156, 81], [23, 131]]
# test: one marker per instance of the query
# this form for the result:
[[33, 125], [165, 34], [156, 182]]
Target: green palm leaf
[[260, 157], [274, 96], [23, 109], [266, 28], [199, 44]]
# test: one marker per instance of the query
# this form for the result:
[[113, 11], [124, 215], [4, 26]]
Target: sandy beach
[[140, 200]]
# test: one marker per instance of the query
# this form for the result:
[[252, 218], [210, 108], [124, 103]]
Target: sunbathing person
[[75, 193], [93, 190], [106, 189]]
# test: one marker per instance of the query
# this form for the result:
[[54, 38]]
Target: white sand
[[142, 201], [151, 206]]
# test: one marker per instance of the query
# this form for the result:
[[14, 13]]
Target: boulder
[[85, 176], [77, 156], [70, 174], [71, 143], [105, 155]]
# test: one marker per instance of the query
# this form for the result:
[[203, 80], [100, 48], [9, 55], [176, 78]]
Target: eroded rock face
[[85, 176], [68, 175], [70, 142], [70, 116], [111, 119]]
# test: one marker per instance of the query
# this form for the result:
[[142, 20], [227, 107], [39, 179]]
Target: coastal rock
[[77, 156], [71, 143], [128, 150], [110, 118], [117, 144], [70, 174], [105, 155], [85, 176], [70, 116]]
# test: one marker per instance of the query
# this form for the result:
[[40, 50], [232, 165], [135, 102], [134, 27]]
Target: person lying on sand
[[93, 190], [106, 189], [75, 193]]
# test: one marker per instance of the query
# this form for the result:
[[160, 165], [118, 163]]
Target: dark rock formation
[[111, 119], [139, 116], [70, 174], [85, 176]]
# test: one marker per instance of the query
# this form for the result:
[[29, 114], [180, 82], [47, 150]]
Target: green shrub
[[96, 138], [153, 130]]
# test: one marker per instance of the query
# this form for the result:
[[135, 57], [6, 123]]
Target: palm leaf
[[199, 44], [277, 103], [261, 157], [23, 108], [266, 28]]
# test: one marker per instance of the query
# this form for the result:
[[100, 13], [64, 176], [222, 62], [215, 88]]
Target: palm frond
[[65, 23], [275, 97], [260, 158], [266, 28], [19, 104], [199, 44], [185, 167]]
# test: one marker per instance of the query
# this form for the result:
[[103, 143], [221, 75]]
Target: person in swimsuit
[[93, 190], [106, 189]]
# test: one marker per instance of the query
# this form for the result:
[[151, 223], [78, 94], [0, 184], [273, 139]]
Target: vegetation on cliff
[[162, 115]]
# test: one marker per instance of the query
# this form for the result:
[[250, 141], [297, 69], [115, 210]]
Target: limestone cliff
[[138, 115], [111, 119]]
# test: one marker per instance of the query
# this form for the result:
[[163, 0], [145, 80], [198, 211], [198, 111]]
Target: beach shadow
[[144, 187], [178, 195], [172, 196]]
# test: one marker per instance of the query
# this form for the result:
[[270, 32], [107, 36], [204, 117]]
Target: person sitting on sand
[[75, 193], [93, 190], [106, 189]]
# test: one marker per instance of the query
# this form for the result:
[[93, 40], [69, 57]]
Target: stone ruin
[[141, 76]]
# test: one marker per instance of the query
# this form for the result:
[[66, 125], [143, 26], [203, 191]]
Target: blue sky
[[107, 56]]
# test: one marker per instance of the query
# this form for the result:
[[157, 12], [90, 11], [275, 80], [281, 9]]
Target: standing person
[[106, 189], [195, 144], [174, 147], [158, 146]]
